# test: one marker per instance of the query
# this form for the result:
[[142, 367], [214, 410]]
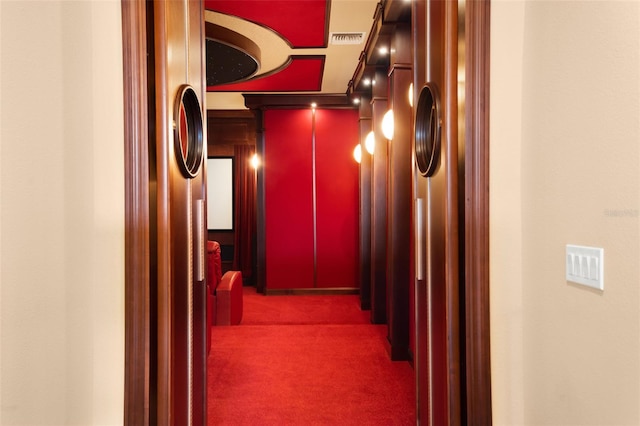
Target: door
[[177, 194]]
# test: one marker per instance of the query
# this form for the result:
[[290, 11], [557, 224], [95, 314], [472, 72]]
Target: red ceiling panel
[[303, 73], [302, 23]]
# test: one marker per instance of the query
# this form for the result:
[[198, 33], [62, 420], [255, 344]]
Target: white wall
[[565, 169], [61, 213]]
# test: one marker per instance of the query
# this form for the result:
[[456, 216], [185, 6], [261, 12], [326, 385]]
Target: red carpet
[[260, 309], [305, 367]]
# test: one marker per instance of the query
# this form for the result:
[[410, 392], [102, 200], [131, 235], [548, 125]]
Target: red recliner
[[229, 299], [225, 291]]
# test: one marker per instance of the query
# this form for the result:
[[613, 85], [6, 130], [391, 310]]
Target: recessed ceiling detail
[[302, 23], [301, 73], [236, 66], [295, 52], [231, 57]]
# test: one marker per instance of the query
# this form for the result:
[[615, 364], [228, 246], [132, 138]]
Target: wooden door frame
[[137, 221], [137, 368], [478, 348]]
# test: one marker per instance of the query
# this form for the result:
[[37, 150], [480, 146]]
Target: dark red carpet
[[306, 360]]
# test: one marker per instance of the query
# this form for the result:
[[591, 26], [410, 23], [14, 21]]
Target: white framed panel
[[220, 193]]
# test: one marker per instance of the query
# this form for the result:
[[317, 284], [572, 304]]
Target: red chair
[[229, 299], [225, 291]]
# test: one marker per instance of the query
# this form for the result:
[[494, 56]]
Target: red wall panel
[[337, 198], [288, 199], [289, 214]]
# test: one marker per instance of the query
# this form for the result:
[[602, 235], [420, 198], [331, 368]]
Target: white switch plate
[[585, 265]]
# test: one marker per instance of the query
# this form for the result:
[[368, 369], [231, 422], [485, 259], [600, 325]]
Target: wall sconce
[[255, 161], [387, 125], [370, 142], [357, 153], [410, 94]]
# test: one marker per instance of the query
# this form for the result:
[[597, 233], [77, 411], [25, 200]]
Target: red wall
[[289, 211]]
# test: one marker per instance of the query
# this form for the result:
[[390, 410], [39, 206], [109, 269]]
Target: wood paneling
[[225, 129]]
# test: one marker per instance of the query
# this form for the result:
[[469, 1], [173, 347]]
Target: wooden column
[[399, 210], [440, 361], [379, 106], [365, 206]]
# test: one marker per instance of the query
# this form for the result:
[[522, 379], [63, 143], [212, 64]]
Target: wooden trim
[[274, 101], [137, 401], [230, 113], [452, 229], [478, 357], [165, 399]]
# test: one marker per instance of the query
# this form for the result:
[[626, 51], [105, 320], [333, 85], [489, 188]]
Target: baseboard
[[311, 291]]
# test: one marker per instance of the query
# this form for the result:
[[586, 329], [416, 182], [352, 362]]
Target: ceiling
[[283, 46]]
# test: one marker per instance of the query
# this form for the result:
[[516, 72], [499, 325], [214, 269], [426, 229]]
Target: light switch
[[585, 265]]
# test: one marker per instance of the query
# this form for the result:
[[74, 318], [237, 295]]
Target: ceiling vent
[[347, 38]]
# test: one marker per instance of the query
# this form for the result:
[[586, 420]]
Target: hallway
[[312, 360]]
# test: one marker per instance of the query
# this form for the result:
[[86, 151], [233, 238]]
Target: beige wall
[[61, 213], [565, 169]]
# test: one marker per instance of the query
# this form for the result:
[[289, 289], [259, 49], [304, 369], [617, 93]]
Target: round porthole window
[[427, 130], [188, 137]]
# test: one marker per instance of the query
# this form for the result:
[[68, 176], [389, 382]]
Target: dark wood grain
[[137, 401], [477, 214]]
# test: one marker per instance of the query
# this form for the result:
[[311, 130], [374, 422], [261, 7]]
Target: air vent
[[347, 38]]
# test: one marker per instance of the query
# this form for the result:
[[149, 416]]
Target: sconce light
[[357, 153], [255, 161], [411, 95], [370, 142], [387, 125]]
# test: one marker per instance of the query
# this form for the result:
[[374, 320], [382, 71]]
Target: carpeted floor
[[272, 310], [306, 360]]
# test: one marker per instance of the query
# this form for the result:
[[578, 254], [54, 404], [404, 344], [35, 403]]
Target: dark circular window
[[188, 137], [427, 130]]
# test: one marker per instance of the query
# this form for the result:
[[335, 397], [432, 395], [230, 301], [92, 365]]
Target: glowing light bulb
[[255, 161], [387, 125], [357, 153], [370, 142], [411, 95]]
